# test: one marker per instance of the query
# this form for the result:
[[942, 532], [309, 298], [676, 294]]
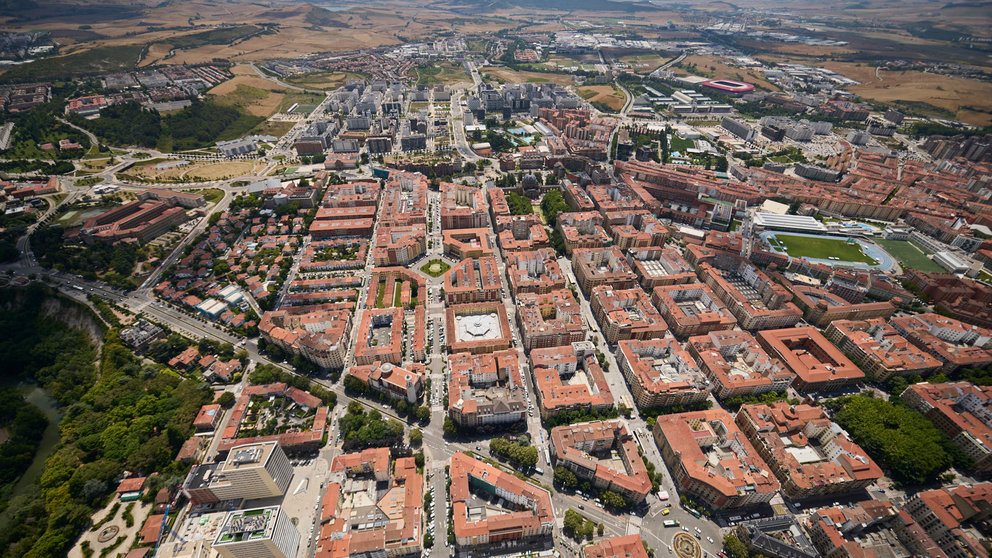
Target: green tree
[[600, 529], [423, 413], [450, 428], [416, 437], [613, 500], [734, 547], [226, 400], [565, 478]]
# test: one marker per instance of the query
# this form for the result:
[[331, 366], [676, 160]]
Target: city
[[624, 281]]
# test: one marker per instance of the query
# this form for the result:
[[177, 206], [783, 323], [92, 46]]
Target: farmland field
[[514, 76], [322, 80], [605, 94], [258, 96]]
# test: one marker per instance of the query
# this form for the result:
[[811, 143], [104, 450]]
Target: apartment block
[[258, 533], [712, 461], [627, 546], [467, 243], [691, 309], [602, 266], [534, 271], [318, 333], [549, 320], [587, 450], [140, 220], [755, 300], [661, 373], [474, 280], [521, 233], [656, 266], [820, 306], [952, 342], [399, 245], [879, 349], [371, 509], [736, 365], [626, 314], [818, 365], [582, 230], [810, 454], [950, 517], [962, 411], [354, 193], [569, 377], [635, 229], [397, 382], [250, 472], [380, 336], [530, 515], [463, 207], [486, 390]]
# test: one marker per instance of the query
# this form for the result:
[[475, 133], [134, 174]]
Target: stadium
[[729, 86]]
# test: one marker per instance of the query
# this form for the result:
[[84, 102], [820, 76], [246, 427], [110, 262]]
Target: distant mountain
[[560, 5]]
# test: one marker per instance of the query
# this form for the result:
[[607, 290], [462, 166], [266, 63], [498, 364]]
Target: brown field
[[277, 128], [199, 171], [321, 80], [644, 63], [605, 94], [944, 92], [514, 76], [258, 96], [156, 52], [715, 68]]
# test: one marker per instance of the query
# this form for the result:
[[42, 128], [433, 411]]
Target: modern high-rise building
[[250, 472], [257, 533]]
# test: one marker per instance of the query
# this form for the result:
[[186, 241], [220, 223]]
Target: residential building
[[691, 309], [463, 207], [820, 306], [318, 333], [755, 300], [952, 342], [534, 272], [250, 472], [486, 390], [661, 373], [473, 280], [521, 233], [810, 454], [380, 336], [569, 377], [602, 266], [467, 243], [818, 364], [879, 350], [712, 461], [945, 516], [399, 245], [627, 546], [261, 532], [582, 230], [478, 327], [587, 450], [962, 411], [395, 381], [626, 314], [529, 516], [549, 320], [656, 266], [737, 366]]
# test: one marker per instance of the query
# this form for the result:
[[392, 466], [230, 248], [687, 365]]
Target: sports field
[[819, 248], [910, 255]]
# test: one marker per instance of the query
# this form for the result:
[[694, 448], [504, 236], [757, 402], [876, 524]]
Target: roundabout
[[686, 546]]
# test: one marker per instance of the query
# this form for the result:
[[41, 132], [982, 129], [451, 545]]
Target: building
[[467, 243], [404, 200], [587, 450], [954, 343], [397, 382], [736, 365], [691, 309], [380, 336], [656, 266], [756, 301], [251, 471], [582, 230], [810, 455], [569, 377], [473, 280], [626, 314], [520, 233], [603, 266], [869, 529], [712, 461], [486, 390], [962, 411], [463, 207], [399, 245], [534, 271], [140, 334], [238, 147], [480, 327], [661, 373], [817, 364], [529, 515], [627, 546], [635, 229], [879, 350], [139, 220], [371, 509], [820, 306], [549, 320], [318, 333], [257, 533], [945, 515], [208, 418]]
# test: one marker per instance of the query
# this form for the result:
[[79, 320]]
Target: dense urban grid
[[566, 293]]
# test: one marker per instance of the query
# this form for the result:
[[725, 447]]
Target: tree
[[416, 437], [226, 400], [565, 478], [573, 522], [423, 413], [734, 547], [450, 428], [428, 540], [601, 529], [613, 500], [418, 459]]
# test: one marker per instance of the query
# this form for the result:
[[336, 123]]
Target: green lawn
[[435, 268], [820, 248], [910, 255]]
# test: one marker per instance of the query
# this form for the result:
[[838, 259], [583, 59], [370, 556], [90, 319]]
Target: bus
[[671, 523], [693, 512]]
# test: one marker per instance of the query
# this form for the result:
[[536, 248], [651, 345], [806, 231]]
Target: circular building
[[729, 86]]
